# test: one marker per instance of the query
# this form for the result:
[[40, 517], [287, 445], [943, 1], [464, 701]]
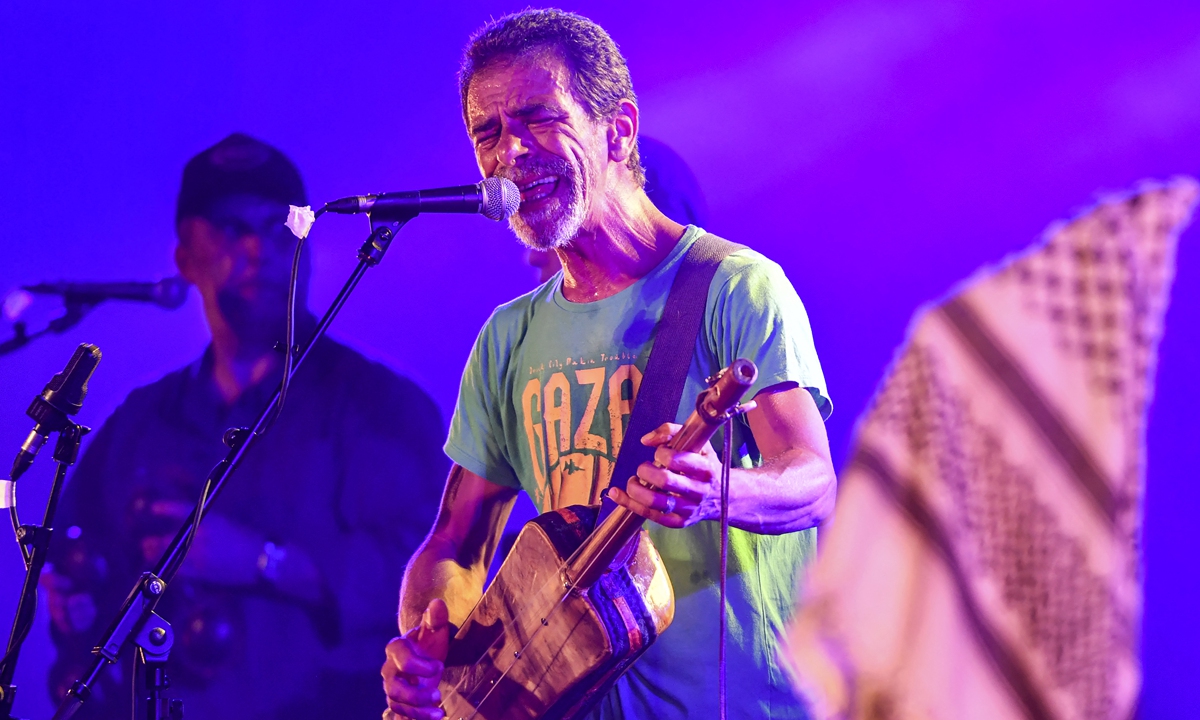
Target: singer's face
[[527, 127], [239, 257]]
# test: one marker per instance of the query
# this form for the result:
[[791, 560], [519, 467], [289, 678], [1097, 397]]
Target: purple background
[[880, 151]]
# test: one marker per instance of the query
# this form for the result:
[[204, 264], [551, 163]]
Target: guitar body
[[534, 647], [576, 602]]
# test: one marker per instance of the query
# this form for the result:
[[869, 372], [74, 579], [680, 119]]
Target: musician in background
[[550, 383], [288, 591]]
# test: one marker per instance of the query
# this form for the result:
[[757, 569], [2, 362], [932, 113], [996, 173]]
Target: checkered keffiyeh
[[983, 562]]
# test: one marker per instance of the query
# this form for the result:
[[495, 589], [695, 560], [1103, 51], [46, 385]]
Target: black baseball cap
[[238, 165]]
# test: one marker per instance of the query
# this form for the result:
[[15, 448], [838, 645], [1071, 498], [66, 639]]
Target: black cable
[[23, 625], [197, 516], [289, 355], [289, 334], [16, 521]]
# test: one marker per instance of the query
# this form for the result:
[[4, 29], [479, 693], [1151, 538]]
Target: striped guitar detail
[[575, 603]]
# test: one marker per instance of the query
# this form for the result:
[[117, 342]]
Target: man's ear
[[623, 132]]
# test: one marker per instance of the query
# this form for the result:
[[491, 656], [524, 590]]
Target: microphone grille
[[170, 293], [501, 198], [66, 390]]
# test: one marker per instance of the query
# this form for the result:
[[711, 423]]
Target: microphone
[[169, 293], [496, 198], [62, 396]]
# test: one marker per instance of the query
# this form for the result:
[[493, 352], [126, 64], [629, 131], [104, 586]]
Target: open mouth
[[538, 189]]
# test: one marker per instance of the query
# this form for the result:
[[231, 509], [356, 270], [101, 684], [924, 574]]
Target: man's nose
[[250, 243], [510, 148]]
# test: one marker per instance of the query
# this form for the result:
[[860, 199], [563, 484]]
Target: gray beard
[[555, 226], [561, 231]]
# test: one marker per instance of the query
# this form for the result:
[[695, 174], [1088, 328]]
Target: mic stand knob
[[154, 642], [235, 437]]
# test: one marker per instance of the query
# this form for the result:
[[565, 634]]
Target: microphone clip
[[51, 410], [66, 450]]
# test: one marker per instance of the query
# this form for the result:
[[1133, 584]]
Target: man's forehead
[[244, 205], [512, 83]]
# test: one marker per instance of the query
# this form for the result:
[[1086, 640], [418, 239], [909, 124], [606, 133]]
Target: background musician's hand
[[223, 551], [414, 667], [679, 488], [226, 552]]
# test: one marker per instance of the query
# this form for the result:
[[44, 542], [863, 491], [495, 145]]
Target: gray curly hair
[[599, 76]]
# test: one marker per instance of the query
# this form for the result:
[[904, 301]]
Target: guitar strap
[[662, 387], [674, 345]]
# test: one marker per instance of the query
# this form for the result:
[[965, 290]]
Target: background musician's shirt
[[350, 473], [544, 403]]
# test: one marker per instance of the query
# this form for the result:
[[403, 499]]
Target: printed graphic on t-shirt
[[575, 412]]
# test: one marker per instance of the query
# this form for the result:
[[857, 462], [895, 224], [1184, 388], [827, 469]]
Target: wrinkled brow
[[521, 113]]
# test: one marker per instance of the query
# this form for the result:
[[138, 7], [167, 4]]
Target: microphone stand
[[136, 619], [73, 311], [35, 543]]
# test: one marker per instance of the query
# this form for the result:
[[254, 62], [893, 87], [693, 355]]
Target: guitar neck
[[608, 541]]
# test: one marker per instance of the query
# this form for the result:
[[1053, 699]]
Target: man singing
[[548, 389]]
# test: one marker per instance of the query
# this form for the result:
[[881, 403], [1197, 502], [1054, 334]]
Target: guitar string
[[560, 571], [558, 605], [554, 609], [503, 636]]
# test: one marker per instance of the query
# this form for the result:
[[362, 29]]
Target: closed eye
[[539, 114], [486, 139]]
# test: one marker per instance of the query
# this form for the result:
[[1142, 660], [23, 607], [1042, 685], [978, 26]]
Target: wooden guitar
[[571, 607]]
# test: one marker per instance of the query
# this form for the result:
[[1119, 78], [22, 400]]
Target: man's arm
[[453, 561], [794, 489], [445, 574]]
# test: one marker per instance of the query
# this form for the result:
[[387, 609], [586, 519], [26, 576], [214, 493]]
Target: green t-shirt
[[544, 403]]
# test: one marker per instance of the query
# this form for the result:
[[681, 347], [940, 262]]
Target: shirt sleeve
[[475, 441], [756, 314]]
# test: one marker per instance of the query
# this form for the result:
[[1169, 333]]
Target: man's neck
[[241, 362], [629, 241], [239, 366], [235, 374]]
